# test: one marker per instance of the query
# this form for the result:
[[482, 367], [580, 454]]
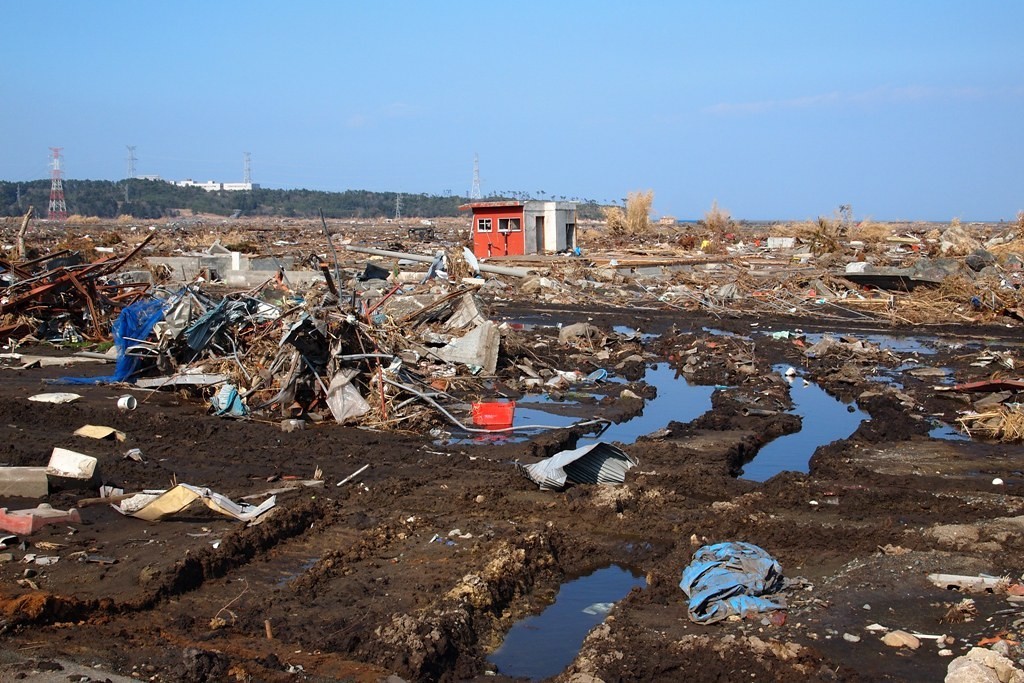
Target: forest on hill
[[152, 199]]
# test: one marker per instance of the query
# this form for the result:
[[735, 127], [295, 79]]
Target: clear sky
[[908, 109]]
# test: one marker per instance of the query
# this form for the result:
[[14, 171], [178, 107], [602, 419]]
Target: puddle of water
[[291, 576], [921, 345], [885, 379], [677, 400], [944, 432], [715, 332], [825, 420], [543, 645], [627, 331]]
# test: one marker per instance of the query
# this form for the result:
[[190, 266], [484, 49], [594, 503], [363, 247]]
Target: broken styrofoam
[[55, 397], [72, 465]]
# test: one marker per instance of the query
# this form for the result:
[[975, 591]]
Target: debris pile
[[61, 297]]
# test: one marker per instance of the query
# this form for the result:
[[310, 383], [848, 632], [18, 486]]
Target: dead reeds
[[635, 221], [1004, 423]]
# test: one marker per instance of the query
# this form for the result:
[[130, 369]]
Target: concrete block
[[24, 482]]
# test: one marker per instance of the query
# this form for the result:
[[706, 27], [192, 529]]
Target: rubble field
[[402, 546]]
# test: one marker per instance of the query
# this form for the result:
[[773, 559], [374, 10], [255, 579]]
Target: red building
[[512, 228]]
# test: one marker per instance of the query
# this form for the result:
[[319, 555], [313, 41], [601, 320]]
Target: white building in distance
[[214, 186]]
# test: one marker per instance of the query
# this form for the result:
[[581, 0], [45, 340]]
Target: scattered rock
[[901, 639], [963, 670], [203, 665], [954, 535], [983, 666]]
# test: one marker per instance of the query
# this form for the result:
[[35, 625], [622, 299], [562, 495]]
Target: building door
[[570, 236], [538, 229]]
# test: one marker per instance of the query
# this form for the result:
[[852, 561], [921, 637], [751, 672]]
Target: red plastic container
[[494, 414]]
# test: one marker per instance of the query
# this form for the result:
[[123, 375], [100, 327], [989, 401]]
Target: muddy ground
[[342, 582]]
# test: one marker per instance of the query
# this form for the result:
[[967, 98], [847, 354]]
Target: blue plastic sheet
[[728, 579], [135, 321]]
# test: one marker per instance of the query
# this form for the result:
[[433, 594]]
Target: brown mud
[[344, 583]]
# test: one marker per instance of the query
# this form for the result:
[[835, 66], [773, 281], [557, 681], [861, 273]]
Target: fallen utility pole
[[484, 267]]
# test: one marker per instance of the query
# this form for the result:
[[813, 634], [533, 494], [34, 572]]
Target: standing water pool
[[543, 645]]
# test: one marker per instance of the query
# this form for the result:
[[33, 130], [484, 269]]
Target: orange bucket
[[494, 414]]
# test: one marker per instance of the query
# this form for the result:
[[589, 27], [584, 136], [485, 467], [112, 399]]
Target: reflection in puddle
[[677, 400], [921, 345], [626, 331], [945, 432], [543, 645], [291, 576], [824, 420], [715, 332]]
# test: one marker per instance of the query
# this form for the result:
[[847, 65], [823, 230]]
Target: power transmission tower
[[475, 192], [58, 208], [247, 171], [131, 161], [398, 207]]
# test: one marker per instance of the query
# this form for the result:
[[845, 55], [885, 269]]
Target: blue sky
[[905, 110]]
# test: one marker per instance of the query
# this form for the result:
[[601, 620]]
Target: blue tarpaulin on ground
[[135, 321], [728, 578]]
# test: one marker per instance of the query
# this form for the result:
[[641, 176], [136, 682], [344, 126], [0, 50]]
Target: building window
[[509, 225], [483, 224]]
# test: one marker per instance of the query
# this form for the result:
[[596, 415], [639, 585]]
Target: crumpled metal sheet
[[598, 463]]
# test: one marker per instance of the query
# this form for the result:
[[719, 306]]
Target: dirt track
[[351, 588]]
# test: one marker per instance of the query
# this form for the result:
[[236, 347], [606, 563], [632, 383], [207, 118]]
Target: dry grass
[[871, 234], [952, 300], [823, 235], [458, 267], [1005, 424], [615, 219], [786, 229], [717, 219], [1012, 247], [635, 221], [638, 212]]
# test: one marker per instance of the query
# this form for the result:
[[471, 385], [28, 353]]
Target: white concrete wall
[[556, 216]]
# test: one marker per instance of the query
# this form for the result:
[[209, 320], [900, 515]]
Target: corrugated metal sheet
[[598, 463]]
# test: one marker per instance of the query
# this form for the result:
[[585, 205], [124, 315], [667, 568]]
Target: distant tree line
[[152, 199]]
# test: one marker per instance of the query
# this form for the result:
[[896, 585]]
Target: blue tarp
[[727, 578], [135, 321]]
